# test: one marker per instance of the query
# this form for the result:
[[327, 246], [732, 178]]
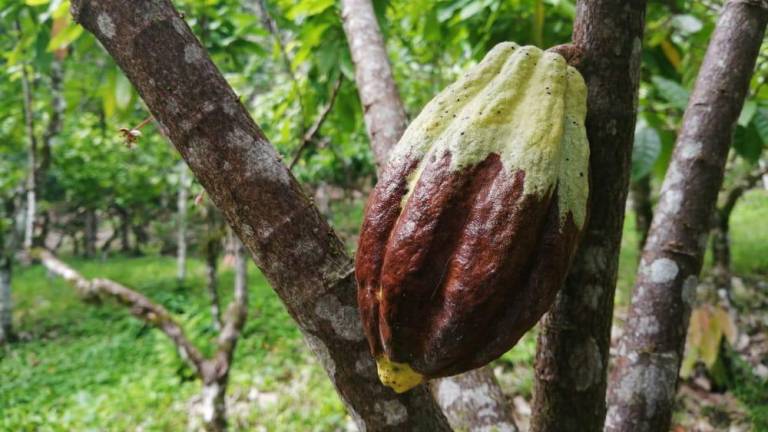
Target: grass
[[85, 367]]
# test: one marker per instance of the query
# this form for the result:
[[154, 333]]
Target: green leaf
[[760, 120], [748, 143], [306, 8], [646, 150], [122, 92], [672, 92], [35, 2], [747, 113], [65, 37]]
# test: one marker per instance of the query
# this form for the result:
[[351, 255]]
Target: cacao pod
[[470, 230]]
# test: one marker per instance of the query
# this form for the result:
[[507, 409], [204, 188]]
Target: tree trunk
[[290, 241], [643, 382], [474, 402], [241, 266], [572, 354], [212, 279], [640, 193], [721, 251], [181, 223], [125, 230], [214, 406], [382, 107], [386, 122], [213, 372], [90, 233], [53, 129], [29, 222], [6, 307]]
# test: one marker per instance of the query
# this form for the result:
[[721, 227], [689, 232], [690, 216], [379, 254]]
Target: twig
[[310, 134]]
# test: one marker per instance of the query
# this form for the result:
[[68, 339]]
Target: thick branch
[[573, 346], [382, 107], [643, 382], [140, 306], [290, 241]]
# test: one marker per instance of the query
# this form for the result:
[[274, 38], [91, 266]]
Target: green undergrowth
[[82, 367]]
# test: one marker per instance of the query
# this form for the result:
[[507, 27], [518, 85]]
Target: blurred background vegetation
[[284, 59]]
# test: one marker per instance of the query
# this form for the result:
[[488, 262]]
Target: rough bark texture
[[643, 207], [473, 402], [382, 107], [386, 121], [290, 241], [572, 355], [213, 372], [643, 382], [181, 223]]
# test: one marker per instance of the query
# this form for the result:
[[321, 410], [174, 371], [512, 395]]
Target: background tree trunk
[[29, 124], [721, 229], [90, 233], [640, 194], [572, 356], [474, 402], [384, 114], [300, 255], [54, 128], [643, 382], [386, 122], [6, 307], [213, 372], [181, 223]]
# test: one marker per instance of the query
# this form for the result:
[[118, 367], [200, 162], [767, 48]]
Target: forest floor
[[84, 367]]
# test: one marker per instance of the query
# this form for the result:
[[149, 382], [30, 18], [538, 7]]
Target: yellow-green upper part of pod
[[522, 103], [397, 376]]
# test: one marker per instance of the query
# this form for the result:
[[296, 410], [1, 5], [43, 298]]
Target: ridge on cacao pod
[[470, 230]]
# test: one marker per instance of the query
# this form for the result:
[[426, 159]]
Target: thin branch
[[746, 183], [310, 134], [140, 306]]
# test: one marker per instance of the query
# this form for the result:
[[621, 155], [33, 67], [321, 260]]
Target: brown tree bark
[[386, 122], [382, 107], [290, 241], [640, 193], [213, 372], [572, 356], [474, 402], [642, 387]]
